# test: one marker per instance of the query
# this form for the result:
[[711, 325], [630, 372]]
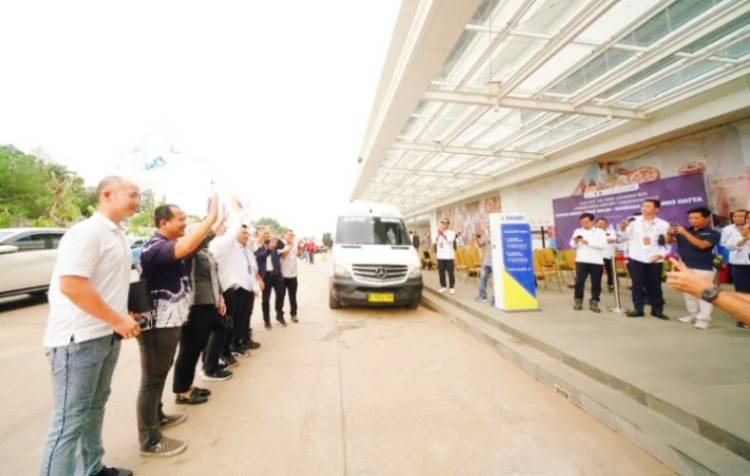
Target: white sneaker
[[452, 291], [442, 290], [687, 319], [702, 325]]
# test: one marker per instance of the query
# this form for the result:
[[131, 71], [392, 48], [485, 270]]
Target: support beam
[[506, 154], [533, 104], [432, 173]]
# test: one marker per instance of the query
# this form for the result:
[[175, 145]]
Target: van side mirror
[[8, 249]]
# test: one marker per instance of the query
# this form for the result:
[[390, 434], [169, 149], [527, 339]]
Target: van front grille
[[380, 273]]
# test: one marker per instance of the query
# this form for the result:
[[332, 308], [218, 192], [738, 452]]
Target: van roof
[[364, 208]]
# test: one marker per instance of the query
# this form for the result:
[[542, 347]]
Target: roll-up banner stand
[[512, 262]]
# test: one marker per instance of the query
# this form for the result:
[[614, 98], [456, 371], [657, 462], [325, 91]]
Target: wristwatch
[[710, 294]]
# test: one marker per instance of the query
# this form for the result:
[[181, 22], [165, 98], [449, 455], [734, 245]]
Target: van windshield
[[371, 231]]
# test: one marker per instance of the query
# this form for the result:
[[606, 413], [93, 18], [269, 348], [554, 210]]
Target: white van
[[373, 262]]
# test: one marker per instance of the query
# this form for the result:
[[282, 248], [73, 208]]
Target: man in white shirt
[[647, 248], [589, 243], [88, 299], [445, 247], [289, 255], [238, 275], [736, 238], [608, 253]]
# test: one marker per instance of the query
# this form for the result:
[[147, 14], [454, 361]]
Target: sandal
[[193, 399]]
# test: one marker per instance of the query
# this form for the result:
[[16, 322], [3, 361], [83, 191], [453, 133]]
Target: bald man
[[88, 298]]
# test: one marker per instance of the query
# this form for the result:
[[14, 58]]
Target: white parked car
[[27, 259]]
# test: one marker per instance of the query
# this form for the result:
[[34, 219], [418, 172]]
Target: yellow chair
[[546, 266], [460, 258], [473, 260]]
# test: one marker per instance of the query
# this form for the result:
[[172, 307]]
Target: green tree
[[272, 224], [142, 222]]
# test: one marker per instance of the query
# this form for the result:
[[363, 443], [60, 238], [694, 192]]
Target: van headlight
[[415, 270], [340, 270]]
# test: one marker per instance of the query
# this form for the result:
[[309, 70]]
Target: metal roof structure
[[478, 94]]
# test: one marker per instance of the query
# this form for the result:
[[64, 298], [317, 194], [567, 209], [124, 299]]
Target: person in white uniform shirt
[[589, 243], [647, 248], [289, 255], [88, 310], [445, 250], [736, 238], [608, 253]]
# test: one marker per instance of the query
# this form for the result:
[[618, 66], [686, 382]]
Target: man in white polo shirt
[[88, 298], [647, 248], [589, 243], [736, 238], [289, 255], [445, 250]]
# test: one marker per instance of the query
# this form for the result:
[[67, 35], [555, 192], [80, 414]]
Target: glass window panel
[[714, 36], [510, 55], [666, 21], [648, 72], [549, 15], [563, 60], [602, 63], [616, 18], [673, 81], [737, 51]]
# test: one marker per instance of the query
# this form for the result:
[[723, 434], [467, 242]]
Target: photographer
[[695, 246], [646, 236], [736, 238], [589, 243]]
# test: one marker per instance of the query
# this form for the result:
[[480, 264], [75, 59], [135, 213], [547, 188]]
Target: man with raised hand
[[88, 299], [169, 287]]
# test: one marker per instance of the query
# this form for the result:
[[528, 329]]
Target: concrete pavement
[[353, 391]]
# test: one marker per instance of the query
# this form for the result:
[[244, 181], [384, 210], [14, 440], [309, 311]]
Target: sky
[[268, 99]]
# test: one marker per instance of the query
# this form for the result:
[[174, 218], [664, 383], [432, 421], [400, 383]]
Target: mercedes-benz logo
[[380, 273]]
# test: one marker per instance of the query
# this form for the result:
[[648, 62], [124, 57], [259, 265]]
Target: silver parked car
[[27, 259]]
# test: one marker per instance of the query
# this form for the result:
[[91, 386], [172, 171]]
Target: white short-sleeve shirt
[[445, 245], [96, 249]]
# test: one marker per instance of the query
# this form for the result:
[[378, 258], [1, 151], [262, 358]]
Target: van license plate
[[380, 297]]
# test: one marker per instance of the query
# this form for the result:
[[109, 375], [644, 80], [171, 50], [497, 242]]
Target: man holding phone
[[695, 246], [445, 249], [736, 238], [88, 298], [646, 236], [589, 243]]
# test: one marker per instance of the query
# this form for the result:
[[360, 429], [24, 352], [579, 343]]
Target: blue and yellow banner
[[513, 267]]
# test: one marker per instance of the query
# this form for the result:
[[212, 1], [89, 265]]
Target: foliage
[[40, 192], [142, 222], [272, 224]]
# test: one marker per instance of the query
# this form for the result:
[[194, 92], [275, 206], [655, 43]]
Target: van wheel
[[39, 294], [333, 303], [413, 304]]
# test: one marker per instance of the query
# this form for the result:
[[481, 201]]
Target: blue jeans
[[81, 378], [483, 277]]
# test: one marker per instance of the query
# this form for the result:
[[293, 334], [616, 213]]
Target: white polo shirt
[[289, 263], [237, 265], [591, 252], [609, 250], [444, 244], [731, 236], [96, 249], [641, 229]]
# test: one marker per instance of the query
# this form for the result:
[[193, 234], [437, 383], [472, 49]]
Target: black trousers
[[193, 338], [646, 279], [273, 282], [290, 288], [447, 266], [157, 348], [583, 271], [741, 277], [239, 304], [609, 271]]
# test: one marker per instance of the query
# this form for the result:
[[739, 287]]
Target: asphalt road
[[346, 392]]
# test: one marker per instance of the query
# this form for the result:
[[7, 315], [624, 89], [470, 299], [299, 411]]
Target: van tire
[[333, 303], [413, 304]]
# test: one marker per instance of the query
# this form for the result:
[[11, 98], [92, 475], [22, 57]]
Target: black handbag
[[139, 298]]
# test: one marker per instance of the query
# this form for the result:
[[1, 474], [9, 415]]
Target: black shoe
[[218, 375], [238, 352], [168, 421], [742, 325], [611, 289], [267, 325], [193, 399], [254, 345], [114, 472], [660, 315], [294, 319], [578, 304], [228, 361], [594, 306], [202, 391], [281, 321], [634, 314]]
